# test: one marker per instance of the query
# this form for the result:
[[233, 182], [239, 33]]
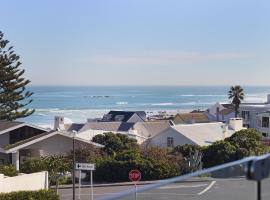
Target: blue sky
[[140, 42]]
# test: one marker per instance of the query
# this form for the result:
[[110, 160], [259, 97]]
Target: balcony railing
[[243, 179]]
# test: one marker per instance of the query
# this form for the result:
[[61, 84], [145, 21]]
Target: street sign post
[[86, 167], [135, 176]]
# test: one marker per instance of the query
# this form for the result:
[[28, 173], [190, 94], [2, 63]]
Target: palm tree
[[236, 93]]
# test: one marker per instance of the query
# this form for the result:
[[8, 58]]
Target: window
[[170, 142], [265, 122], [245, 115], [264, 134]]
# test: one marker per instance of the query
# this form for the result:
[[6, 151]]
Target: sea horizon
[[79, 103]]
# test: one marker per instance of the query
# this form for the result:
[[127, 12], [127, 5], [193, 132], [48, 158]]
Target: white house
[[249, 112], [202, 134], [20, 141], [221, 112], [139, 130]]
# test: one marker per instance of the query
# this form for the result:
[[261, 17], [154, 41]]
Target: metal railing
[[251, 169]]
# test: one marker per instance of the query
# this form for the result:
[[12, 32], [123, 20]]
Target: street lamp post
[[73, 163]]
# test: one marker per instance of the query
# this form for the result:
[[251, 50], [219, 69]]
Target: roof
[[202, 133], [108, 126], [197, 111], [6, 126], [38, 138], [127, 115], [187, 118], [228, 105], [151, 128], [226, 111], [73, 127]]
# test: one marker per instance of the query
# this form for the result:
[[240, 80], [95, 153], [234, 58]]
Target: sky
[[140, 42]]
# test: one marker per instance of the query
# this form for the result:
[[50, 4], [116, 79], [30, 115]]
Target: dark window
[[23, 133], [265, 122], [264, 134], [170, 142], [245, 115]]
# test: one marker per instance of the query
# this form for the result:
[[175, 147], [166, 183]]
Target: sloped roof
[[202, 133], [44, 136], [127, 115], [151, 128], [73, 127], [228, 105], [187, 118], [226, 111], [107, 126], [8, 124]]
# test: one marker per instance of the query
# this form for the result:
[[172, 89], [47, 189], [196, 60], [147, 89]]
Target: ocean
[[81, 103]]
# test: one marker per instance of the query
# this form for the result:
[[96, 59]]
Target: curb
[[127, 183]]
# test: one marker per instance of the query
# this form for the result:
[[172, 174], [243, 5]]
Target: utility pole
[[73, 163]]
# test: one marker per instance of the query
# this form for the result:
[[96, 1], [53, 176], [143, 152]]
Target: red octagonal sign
[[135, 175]]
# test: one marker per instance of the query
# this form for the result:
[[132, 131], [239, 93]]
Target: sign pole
[[80, 182], [92, 191], [135, 191]]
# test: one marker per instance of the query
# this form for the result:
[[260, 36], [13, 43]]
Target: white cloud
[[165, 58]]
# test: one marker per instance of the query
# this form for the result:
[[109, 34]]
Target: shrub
[[115, 143], [219, 152], [30, 195], [8, 170], [247, 142], [187, 149]]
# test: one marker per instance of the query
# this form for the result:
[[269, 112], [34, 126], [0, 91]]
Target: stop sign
[[135, 175]]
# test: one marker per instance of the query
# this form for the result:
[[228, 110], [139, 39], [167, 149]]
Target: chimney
[[59, 123], [217, 114], [236, 124], [224, 131], [268, 99]]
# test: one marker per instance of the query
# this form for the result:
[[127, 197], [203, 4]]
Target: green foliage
[[187, 149], [13, 97], [219, 152], [30, 195], [192, 155], [115, 143], [154, 163], [247, 142], [243, 143], [8, 170], [55, 165]]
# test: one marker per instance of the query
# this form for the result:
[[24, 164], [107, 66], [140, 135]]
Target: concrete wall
[[26, 182]]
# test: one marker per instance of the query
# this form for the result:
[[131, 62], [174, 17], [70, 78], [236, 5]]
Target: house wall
[[226, 118], [213, 109], [161, 139], [4, 139], [253, 112], [53, 145]]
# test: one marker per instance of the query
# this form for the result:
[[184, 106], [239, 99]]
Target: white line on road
[[207, 188]]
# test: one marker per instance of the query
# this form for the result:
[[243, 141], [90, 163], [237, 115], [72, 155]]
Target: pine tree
[[13, 95]]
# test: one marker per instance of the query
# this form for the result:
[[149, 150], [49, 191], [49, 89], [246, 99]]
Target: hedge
[[30, 195]]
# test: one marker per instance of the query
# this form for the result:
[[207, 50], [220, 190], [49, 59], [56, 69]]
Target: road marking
[[207, 188], [182, 186]]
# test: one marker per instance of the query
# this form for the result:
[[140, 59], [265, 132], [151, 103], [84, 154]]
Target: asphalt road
[[216, 189]]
